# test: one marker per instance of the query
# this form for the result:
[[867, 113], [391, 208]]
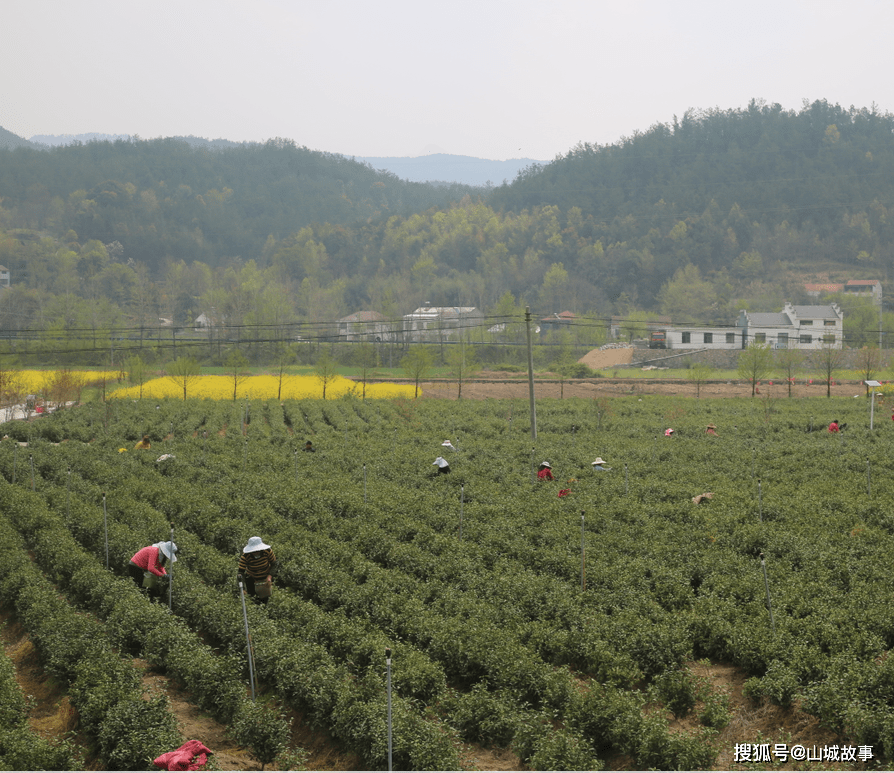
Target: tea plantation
[[557, 626]]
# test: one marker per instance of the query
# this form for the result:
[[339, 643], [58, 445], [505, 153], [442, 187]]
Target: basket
[[150, 580], [263, 589]]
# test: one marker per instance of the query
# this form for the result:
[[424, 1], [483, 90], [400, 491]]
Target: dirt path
[[503, 385]]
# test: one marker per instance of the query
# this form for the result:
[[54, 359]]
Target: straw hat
[[599, 460], [712, 426], [165, 547], [255, 544], [546, 464], [441, 462]]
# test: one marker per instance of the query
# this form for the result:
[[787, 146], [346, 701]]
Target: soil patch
[[607, 358], [496, 385], [51, 715]]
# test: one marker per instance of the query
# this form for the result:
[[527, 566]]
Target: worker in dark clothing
[[257, 565]]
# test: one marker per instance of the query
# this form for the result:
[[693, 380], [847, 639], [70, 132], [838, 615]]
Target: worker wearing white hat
[[544, 472], [448, 444], [599, 464], [147, 566], [257, 565], [442, 464]]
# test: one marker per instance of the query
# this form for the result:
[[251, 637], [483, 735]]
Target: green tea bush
[[136, 731], [262, 729]]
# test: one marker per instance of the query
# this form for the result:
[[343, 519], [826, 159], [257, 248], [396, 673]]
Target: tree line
[[695, 220]]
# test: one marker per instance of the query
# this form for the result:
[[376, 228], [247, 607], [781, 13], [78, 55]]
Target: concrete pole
[[531, 374]]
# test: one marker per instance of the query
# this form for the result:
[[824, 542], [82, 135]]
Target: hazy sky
[[490, 78]]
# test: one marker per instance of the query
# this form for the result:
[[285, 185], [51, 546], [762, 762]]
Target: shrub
[[677, 690], [136, 732], [261, 728]]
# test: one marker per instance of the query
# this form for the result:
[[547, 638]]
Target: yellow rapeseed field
[[263, 388], [35, 381]]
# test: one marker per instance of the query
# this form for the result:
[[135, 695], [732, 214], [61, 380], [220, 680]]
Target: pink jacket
[[147, 559]]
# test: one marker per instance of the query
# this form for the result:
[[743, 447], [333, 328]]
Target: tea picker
[[147, 566], [257, 564], [442, 464]]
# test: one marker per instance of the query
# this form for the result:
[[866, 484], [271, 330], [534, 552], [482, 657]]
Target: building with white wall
[[795, 327]]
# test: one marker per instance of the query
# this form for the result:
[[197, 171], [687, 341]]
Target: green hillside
[[718, 211]]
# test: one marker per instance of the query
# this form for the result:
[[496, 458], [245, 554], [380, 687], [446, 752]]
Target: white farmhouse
[[365, 326], [795, 327], [704, 338], [441, 323]]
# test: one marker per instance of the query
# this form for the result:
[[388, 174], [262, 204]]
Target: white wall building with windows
[[795, 327], [704, 338]]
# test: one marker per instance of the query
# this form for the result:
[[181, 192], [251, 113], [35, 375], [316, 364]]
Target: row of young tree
[[759, 362]]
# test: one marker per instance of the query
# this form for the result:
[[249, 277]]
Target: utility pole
[[531, 374]]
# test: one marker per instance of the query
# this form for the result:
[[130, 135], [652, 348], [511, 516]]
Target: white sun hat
[[546, 464], [255, 544], [441, 462], [165, 547], [599, 460], [448, 444]]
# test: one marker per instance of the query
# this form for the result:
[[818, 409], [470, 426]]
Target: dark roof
[[363, 316], [823, 312], [769, 319]]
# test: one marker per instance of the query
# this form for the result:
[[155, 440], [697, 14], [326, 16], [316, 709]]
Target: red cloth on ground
[[564, 492], [182, 758]]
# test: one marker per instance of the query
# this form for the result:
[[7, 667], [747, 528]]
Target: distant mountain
[[10, 140], [444, 167], [436, 168]]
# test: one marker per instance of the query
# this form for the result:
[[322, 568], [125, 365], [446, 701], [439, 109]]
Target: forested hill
[[812, 166], [170, 199], [719, 211], [10, 140]]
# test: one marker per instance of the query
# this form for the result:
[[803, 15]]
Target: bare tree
[[827, 360], [326, 370], [184, 372], [136, 372], [366, 358], [462, 362], [755, 363], [417, 364], [698, 375], [237, 369], [788, 363], [869, 362]]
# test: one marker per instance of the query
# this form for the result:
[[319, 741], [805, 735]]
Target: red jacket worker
[[152, 560], [544, 472]]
